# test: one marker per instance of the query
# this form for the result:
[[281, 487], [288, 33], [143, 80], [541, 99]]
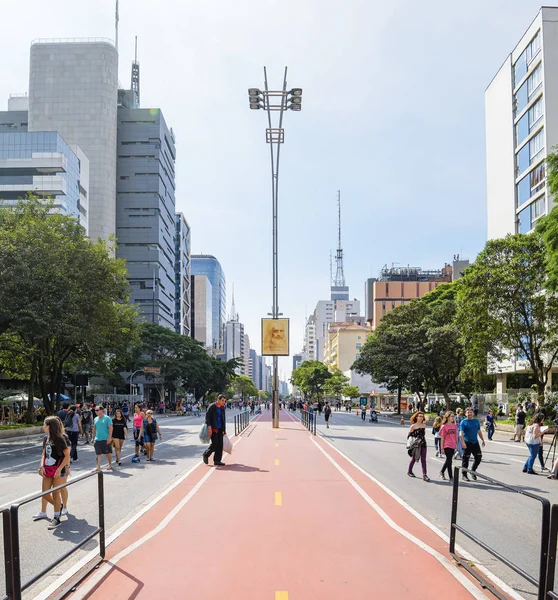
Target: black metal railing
[[241, 421], [551, 592], [12, 553], [545, 539], [309, 420], [7, 534]]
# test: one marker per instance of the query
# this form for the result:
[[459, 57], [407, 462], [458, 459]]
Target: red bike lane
[[286, 519]]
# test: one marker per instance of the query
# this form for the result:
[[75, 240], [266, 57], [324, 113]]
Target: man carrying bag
[[216, 429]]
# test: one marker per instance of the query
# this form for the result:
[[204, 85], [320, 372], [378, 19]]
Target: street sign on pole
[[151, 370]]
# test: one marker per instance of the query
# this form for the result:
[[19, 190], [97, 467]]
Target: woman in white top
[[533, 440]]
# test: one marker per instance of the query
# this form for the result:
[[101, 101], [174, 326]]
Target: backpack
[[86, 417], [69, 420]]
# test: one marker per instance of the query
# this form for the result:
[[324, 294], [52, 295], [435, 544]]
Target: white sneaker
[[39, 516], [64, 512]]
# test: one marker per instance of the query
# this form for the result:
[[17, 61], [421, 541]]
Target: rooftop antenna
[[339, 275], [234, 316], [331, 267], [136, 77], [116, 19]]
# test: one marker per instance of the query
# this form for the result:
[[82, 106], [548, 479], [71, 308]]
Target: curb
[[20, 432]]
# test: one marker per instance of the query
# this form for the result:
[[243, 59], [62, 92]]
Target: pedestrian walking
[[448, 443], [55, 462], [458, 418], [533, 440], [469, 432], [490, 425], [150, 432], [327, 414], [363, 413], [138, 418], [417, 431], [126, 411], [102, 437], [86, 422], [520, 418], [72, 426], [216, 429], [63, 412], [436, 433], [119, 432]]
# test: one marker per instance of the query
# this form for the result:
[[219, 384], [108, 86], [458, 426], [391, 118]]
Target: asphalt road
[[507, 521], [127, 490]]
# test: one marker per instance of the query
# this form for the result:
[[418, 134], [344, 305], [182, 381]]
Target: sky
[[392, 116]]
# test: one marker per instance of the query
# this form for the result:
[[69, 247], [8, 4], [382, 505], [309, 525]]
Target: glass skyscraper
[[205, 264]]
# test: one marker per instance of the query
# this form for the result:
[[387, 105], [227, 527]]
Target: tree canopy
[[310, 377], [63, 298]]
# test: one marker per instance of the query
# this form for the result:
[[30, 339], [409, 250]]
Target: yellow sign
[[275, 337]]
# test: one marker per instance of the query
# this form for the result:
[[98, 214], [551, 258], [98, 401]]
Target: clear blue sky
[[393, 116]]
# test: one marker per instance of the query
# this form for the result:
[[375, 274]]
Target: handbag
[[412, 445], [204, 434], [227, 444]]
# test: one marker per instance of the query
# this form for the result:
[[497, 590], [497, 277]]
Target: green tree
[[336, 384], [244, 387], [310, 377], [506, 311], [63, 297], [351, 391]]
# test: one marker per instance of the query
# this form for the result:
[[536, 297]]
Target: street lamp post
[[275, 101], [131, 393]]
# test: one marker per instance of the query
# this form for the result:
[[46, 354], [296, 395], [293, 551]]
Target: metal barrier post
[[550, 571], [8, 561], [101, 489], [454, 501], [16, 566], [545, 539]]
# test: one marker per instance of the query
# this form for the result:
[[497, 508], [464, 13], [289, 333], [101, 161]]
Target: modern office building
[[73, 88], [205, 264], [202, 310], [234, 343], [42, 163], [297, 360], [400, 285], [145, 219], [521, 128], [246, 356], [182, 292], [255, 368], [309, 348]]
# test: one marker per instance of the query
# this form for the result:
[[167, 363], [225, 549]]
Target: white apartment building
[[521, 128], [309, 349]]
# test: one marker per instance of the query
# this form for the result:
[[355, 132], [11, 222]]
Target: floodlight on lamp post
[[271, 101]]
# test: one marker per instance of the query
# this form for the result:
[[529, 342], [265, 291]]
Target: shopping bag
[[227, 444], [204, 435]]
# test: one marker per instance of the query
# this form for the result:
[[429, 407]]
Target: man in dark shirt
[[63, 412], [216, 429], [520, 417]]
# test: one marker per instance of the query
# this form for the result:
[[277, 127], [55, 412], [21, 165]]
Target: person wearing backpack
[[327, 414], [72, 425]]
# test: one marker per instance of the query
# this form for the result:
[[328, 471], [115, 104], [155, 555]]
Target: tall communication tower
[[135, 85], [339, 280]]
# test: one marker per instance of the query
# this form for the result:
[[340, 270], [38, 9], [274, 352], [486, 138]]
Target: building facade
[[145, 217], [182, 291], [330, 311], [73, 88], [202, 310], [521, 128], [343, 345], [400, 285], [297, 360], [235, 343], [205, 264], [43, 164]]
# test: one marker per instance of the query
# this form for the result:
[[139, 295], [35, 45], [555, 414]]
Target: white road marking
[[451, 568], [19, 449], [44, 595], [36, 461], [466, 555]]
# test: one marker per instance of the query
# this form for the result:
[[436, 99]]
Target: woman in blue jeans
[[533, 440]]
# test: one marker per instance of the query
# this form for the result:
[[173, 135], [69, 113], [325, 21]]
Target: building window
[[535, 114], [522, 64], [536, 146], [525, 220], [537, 209], [534, 81], [533, 48], [358, 346]]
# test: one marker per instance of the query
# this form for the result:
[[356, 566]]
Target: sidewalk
[[288, 518]]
